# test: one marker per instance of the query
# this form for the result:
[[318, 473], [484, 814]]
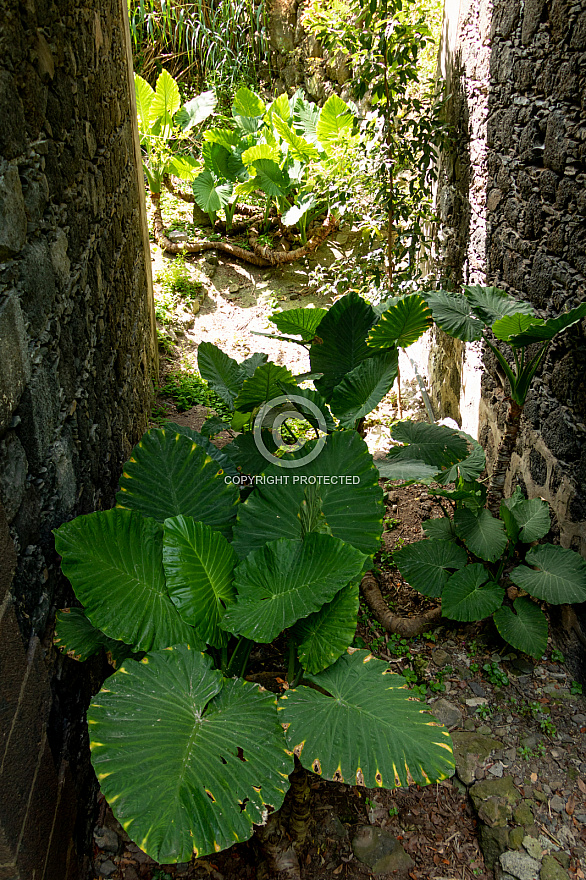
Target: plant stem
[[239, 659]]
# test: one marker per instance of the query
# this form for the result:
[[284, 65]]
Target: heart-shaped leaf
[[426, 564], [361, 726], [452, 312], [286, 580], [188, 760], [484, 535], [168, 474], [324, 635], [556, 575], [363, 388], [222, 373], [525, 628], [401, 325], [114, 561], [468, 596]]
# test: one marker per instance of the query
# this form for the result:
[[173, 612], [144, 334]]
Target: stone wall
[[298, 60], [76, 362], [513, 213]]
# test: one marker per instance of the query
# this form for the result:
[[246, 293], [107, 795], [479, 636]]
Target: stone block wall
[[512, 205], [77, 354], [299, 61]]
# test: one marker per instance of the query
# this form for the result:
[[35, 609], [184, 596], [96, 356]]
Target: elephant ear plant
[[481, 565], [514, 325], [179, 582]]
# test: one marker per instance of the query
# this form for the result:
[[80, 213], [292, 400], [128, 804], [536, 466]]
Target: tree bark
[[285, 833], [404, 626], [496, 488]]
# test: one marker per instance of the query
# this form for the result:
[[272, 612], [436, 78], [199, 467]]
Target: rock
[[107, 868], [494, 811], [477, 689], [516, 837], [474, 702], [496, 769], [501, 788], [493, 842], [552, 870], [380, 851], [447, 713], [212, 258], [469, 749], [523, 814], [13, 222], [520, 865], [533, 847], [106, 839], [440, 657], [177, 235], [557, 803]]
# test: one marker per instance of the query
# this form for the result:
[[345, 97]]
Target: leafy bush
[[178, 582], [470, 560]]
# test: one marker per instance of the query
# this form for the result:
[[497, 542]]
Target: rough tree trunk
[[496, 488], [283, 837]]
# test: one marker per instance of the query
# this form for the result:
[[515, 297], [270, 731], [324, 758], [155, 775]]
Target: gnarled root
[[404, 626], [260, 255]]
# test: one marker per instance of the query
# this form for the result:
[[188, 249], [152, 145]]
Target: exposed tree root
[[244, 210], [404, 626], [260, 255]]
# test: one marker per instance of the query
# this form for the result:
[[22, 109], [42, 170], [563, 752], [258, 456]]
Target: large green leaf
[[414, 471], [441, 528], [262, 386], [468, 596], [114, 560], [335, 120], [548, 329], [247, 103], [512, 325], [484, 535], [401, 325], [222, 373], [80, 639], [215, 425], [245, 453], [470, 467], [340, 344], [210, 195], [362, 727], [273, 181], [223, 162], [489, 304], [184, 167], [298, 322], [261, 151], [348, 487], [144, 99], [425, 565], [250, 364], [526, 629], [533, 519], [166, 100], [195, 111], [436, 445], [558, 576], [199, 567], [167, 475], [452, 312], [286, 580], [224, 136], [299, 148], [293, 215], [188, 760], [324, 635], [305, 118], [363, 388]]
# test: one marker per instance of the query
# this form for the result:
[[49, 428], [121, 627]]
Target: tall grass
[[218, 42]]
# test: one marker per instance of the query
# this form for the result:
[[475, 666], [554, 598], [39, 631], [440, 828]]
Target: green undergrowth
[[188, 389]]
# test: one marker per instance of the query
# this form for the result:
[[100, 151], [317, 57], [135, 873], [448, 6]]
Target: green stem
[[292, 663], [239, 658]]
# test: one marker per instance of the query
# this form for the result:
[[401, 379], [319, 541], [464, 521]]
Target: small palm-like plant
[[178, 583]]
